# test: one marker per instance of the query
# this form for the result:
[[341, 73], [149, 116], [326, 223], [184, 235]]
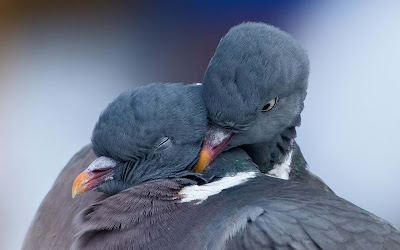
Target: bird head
[[254, 88], [153, 132]]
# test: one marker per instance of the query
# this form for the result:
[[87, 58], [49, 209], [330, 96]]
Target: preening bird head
[[153, 132], [254, 87]]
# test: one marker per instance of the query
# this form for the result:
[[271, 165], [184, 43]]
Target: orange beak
[[205, 159], [80, 184], [214, 143], [98, 172]]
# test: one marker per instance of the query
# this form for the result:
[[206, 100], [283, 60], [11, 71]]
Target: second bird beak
[[214, 143]]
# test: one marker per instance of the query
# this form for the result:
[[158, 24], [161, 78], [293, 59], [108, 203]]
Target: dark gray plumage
[[137, 121], [154, 132], [253, 64], [262, 213]]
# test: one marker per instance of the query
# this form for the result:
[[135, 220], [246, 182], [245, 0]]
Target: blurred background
[[62, 62]]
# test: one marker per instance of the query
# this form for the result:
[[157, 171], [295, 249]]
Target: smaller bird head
[[254, 87], [153, 132]]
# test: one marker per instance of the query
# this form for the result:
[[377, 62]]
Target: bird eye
[[165, 143], [270, 105]]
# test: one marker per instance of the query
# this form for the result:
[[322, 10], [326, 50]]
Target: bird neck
[[267, 155], [284, 159]]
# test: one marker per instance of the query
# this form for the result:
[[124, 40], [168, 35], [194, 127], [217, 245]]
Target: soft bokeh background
[[61, 63]]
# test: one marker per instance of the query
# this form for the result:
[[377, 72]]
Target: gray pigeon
[[254, 89], [148, 141]]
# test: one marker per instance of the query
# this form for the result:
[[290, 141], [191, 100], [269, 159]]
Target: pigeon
[[148, 143], [254, 89]]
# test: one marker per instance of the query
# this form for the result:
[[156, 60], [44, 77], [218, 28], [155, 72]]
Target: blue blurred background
[[62, 62]]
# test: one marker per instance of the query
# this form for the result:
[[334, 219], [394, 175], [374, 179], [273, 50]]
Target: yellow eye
[[270, 105]]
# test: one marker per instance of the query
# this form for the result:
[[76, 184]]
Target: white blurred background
[[61, 64]]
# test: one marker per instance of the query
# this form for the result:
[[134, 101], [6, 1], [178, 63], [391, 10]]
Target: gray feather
[[52, 227], [262, 213]]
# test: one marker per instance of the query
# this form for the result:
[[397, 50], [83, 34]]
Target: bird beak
[[214, 143], [98, 172]]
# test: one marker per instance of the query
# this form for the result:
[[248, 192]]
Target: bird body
[[241, 210]]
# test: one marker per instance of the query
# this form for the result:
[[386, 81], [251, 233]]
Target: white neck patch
[[202, 192], [282, 170]]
